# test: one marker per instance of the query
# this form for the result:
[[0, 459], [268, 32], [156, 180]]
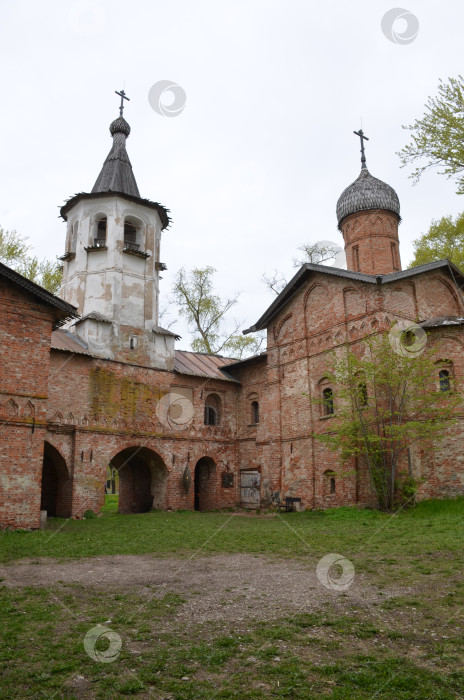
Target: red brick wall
[[371, 242], [25, 331]]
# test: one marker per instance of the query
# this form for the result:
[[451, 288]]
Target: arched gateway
[[142, 480], [56, 491]]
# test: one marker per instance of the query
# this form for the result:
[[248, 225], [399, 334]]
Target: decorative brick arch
[[281, 325], [142, 479]]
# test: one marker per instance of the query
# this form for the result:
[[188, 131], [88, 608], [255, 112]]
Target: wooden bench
[[290, 504]]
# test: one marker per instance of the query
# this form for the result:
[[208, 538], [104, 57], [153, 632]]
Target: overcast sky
[[253, 165]]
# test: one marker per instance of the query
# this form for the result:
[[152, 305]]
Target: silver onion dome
[[367, 192]]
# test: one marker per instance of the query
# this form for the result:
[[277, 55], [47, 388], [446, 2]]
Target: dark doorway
[[142, 480], [205, 484], [56, 491]]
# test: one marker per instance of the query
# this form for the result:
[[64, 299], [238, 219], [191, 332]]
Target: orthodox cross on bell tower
[[363, 138], [122, 94]]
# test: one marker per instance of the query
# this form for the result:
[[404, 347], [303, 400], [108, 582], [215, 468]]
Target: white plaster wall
[[121, 287]]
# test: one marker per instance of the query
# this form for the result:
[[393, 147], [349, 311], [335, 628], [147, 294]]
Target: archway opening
[[142, 480], [205, 484], [56, 491]]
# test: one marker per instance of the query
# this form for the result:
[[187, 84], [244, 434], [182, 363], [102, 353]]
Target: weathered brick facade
[[67, 411]]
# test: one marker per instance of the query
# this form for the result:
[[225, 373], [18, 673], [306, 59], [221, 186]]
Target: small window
[[132, 342], [100, 238], [445, 380], [328, 402], [254, 412], [329, 483], [356, 258], [362, 393], [73, 238]]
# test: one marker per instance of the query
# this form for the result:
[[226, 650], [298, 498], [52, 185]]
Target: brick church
[[91, 380]]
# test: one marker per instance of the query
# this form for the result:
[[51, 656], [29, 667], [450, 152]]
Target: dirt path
[[221, 587]]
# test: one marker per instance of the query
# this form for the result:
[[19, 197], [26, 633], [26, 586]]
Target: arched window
[[100, 232], [132, 234], [212, 410], [329, 483], [254, 412], [328, 402], [445, 380]]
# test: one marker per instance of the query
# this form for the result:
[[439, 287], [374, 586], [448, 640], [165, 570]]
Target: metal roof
[[164, 331], [367, 192], [68, 311], [67, 341], [196, 364], [94, 316], [295, 283], [199, 364]]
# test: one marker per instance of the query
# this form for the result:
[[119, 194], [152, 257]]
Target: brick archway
[[205, 484], [56, 488], [142, 480]]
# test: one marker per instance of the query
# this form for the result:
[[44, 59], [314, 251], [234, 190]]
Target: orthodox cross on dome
[[360, 133], [122, 94]]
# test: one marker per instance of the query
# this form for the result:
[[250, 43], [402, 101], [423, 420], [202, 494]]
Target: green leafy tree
[[15, 252], [444, 239], [437, 139], [385, 399], [205, 313]]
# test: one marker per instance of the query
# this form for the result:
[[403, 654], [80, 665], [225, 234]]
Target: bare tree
[[205, 313], [315, 253]]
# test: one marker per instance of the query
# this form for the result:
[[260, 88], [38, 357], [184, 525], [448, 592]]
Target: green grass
[[111, 504], [304, 656], [438, 526], [407, 644]]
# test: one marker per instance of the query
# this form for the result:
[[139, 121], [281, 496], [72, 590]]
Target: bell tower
[[112, 262], [368, 214]]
